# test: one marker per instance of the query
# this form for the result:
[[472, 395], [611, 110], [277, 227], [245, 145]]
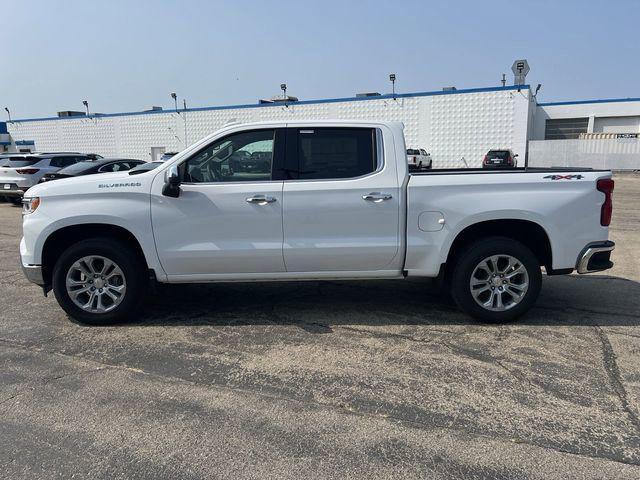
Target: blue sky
[[128, 55]]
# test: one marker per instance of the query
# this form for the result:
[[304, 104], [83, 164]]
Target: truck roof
[[328, 122]]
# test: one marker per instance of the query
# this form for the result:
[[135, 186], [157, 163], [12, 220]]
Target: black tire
[[464, 269], [126, 259]]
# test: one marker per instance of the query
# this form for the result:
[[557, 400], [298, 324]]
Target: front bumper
[[595, 257], [33, 273]]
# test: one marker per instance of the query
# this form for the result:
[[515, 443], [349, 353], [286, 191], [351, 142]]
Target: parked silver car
[[20, 171]]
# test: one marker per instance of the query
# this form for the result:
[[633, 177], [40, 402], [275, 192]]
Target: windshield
[[145, 167], [501, 154], [412, 151], [78, 167]]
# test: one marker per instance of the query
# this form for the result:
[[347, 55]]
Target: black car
[[89, 167], [500, 159]]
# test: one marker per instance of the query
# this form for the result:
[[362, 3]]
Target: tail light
[[415, 159], [605, 185], [486, 159], [27, 171], [510, 161]]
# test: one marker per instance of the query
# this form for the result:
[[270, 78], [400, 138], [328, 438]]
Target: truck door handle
[[376, 197], [260, 199]]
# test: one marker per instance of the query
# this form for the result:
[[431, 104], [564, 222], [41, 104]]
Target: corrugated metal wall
[[452, 127], [610, 153]]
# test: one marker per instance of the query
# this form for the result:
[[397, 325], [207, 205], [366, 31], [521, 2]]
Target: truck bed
[[442, 203]]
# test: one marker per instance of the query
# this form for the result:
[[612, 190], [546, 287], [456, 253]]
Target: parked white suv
[[418, 158], [337, 202], [20, 171]]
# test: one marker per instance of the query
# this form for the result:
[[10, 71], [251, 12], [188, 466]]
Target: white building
[[594, 133], [457, 127]]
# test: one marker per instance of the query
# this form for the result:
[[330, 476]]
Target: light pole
[[535, 95], [283, 87], [184, 104], [8, 113], [174, 95], [86, 105], [392, 79]]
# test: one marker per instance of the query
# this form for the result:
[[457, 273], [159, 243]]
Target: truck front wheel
[[496, 279], [99, 281]]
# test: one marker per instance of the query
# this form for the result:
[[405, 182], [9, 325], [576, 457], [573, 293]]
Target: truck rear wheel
[[496, 280], [99, 281]]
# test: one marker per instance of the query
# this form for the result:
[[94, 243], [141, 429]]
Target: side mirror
[[172, 182], [516, 155]]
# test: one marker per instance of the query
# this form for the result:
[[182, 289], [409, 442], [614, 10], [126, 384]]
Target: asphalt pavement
[[378, 379]]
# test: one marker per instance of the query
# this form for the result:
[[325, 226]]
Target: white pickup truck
[[312, 200]]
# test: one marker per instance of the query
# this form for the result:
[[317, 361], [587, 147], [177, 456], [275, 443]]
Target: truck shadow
[[316, 306]]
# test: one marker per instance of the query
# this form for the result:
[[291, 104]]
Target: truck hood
[[102, 183]]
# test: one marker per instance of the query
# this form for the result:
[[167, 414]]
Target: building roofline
[[280, 104], [584, 102]]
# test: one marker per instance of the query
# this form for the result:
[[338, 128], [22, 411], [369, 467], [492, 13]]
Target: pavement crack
[[624, 334], [615, 379], [15, 395], [46, 381], [472, 354], [585, 310]]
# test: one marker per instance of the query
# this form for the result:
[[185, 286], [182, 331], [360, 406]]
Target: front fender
[[40, 226]]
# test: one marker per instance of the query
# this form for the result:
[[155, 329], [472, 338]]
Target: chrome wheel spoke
[[514, 294], [99, 306], [478, 291], [107, 267], [115, 288], [111, 294], [489, 303], [89, 304], [499, 304], [83, 268], [75, 293], [517, 270], [477, 282]]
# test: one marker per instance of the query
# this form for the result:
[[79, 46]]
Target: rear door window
[[128, 165], [61, 162], [334, 153], [110, 167]]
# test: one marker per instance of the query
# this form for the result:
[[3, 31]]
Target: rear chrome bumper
[[595, 257], [12, 193]]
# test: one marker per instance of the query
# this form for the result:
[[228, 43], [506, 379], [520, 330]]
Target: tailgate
[[9, 175]]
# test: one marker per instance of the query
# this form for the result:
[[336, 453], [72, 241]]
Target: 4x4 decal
[[564, 177]]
